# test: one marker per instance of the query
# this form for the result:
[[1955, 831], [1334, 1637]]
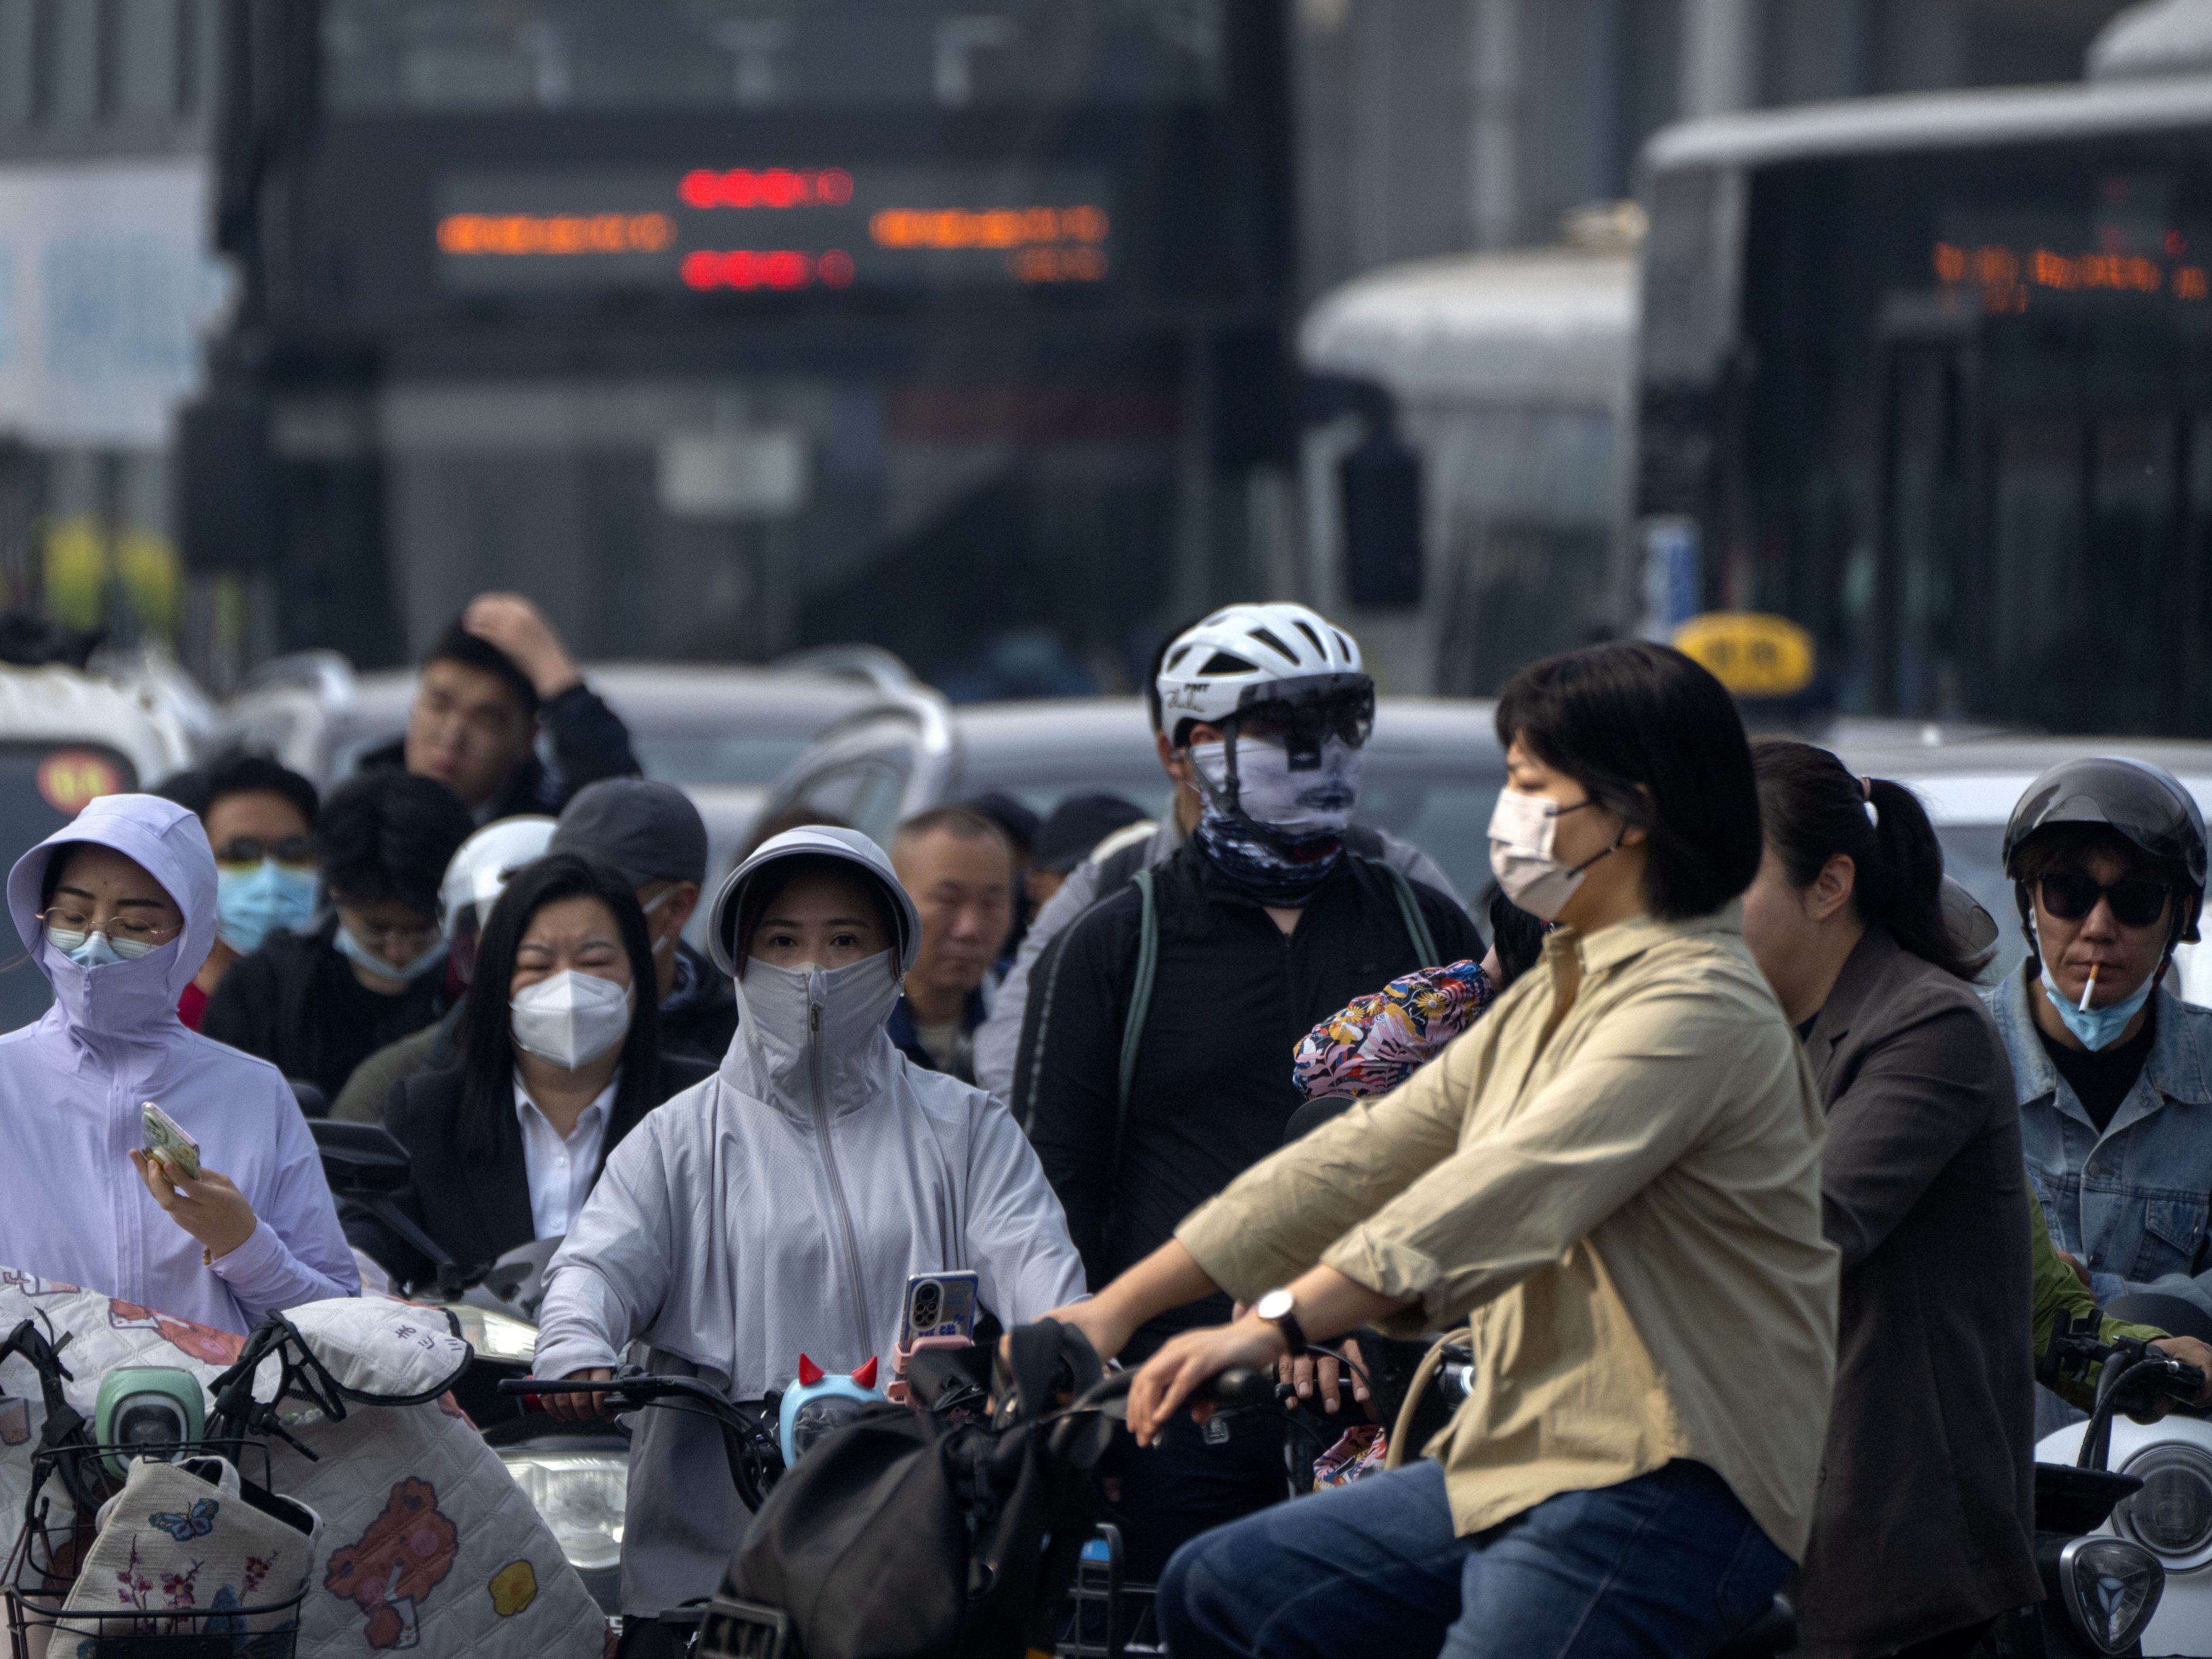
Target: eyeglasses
[[377, 935], [69, 919], [2136, 902], [250, 849]]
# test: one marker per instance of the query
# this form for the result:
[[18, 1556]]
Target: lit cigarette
[[2086, 989]]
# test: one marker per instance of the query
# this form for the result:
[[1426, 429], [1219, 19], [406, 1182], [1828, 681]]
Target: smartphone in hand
[[166, 1140], [939, 1304]]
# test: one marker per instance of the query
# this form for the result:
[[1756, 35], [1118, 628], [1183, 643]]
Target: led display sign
[[776, 227]]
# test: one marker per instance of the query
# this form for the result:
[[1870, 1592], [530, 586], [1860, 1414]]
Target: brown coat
[[1924, 1519]]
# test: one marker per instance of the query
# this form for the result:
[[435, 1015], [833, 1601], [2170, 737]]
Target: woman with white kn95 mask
[[779, 1208], [559, 1058]]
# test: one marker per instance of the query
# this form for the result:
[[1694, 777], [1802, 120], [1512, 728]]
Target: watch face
[[1274, 1305]]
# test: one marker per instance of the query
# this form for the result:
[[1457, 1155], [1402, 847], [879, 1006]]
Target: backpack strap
[[1409, 911], [1140, 998]]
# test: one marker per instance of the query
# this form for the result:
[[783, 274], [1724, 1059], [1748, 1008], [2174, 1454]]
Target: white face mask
[[1299, 802], [570, 1018], [1522, 828]]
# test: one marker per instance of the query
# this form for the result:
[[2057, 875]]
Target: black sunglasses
[[2136, 902]]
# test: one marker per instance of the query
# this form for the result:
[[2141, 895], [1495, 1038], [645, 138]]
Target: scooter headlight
[[2110, 1588], [496, 1335], [580, 1498], [2172, 1515]]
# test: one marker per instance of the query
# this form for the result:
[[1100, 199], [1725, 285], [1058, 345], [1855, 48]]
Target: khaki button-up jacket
[[1613, 1180]]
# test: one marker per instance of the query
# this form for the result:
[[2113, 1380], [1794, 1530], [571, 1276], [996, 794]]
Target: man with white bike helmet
[[2108, 856], [1145, 845], [1156, 1045]]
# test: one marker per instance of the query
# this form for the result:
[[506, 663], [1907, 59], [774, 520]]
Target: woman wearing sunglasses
[[2107, 857]]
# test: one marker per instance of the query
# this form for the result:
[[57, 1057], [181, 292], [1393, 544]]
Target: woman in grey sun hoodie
[[779, 1208]]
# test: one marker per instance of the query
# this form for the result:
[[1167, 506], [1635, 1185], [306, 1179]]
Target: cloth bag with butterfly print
[[193, 1535]]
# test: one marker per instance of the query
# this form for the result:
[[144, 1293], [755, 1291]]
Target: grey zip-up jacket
[[998, 1038], [778, 1208]]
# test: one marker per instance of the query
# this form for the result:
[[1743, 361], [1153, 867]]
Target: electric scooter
[[576, 1473]]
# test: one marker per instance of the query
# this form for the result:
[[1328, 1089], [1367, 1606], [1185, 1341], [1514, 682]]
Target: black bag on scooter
[[897, 1538]]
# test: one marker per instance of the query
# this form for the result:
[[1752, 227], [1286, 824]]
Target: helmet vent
[[1343, 643], [1307, 629], [1273, 643], [1175, 659], [1222, 663]]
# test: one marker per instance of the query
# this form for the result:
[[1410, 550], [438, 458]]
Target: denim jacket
[[2130, 1203]]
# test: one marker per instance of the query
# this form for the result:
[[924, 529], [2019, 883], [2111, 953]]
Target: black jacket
[[1925, 1518], [295, 1003], [590, 742], [1212, 1089], [701, 1014], [477, 1208]]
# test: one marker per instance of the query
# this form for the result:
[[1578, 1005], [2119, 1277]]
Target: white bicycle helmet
[[1246, 654], [480, 870]]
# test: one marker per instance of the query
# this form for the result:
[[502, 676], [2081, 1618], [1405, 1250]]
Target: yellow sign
[[1752, 654]]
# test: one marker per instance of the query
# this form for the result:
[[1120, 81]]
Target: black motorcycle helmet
[[2145, 805]]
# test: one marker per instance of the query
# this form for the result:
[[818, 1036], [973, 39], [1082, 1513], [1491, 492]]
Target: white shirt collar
[[559, 1172]]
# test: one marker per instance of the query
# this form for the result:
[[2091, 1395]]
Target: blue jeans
[[1668, 1563]]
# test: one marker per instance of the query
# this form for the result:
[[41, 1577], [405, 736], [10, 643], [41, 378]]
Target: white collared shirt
[[560, 1171]]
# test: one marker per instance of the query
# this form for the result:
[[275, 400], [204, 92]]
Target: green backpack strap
[[1409, 909], [1140, 995]]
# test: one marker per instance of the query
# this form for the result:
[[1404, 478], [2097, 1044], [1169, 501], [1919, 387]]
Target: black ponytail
[[1812, 808]]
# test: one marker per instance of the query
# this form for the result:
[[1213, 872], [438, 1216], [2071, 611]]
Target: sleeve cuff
[[571, 1353], [256, 1264]]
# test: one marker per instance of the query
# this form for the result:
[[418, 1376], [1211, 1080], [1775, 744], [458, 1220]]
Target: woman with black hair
[[1923, 1530], [559, 1058], [1612, 1177]]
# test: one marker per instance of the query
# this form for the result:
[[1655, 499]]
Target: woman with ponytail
[[1921, 1532]]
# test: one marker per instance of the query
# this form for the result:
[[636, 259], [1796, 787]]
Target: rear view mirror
[[359, 1159]]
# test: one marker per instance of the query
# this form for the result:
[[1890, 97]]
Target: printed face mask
[[570, 1018], [253, 901], [1300, 789], [1522, 828], [95, 949], [354, 951]]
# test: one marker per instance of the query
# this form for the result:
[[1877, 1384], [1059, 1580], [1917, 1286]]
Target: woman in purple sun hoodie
[[117, 910]]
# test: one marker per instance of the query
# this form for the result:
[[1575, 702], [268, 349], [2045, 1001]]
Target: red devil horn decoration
[[809, 1372], [865, 1377]]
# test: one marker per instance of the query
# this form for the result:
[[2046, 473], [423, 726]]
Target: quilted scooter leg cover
[[428, 1545]]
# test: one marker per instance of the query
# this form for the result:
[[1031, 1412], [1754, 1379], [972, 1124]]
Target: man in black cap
[[1076, 826], [652, 835]]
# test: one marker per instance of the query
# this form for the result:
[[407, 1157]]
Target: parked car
[[67, 737], [1433, 769], [720, 731]]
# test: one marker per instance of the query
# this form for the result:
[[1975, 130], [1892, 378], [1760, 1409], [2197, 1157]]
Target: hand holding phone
[[166, 1140]]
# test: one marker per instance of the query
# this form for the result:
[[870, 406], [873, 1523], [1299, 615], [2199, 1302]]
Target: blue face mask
[[354, 951], [2098, 1028], [94, 950], [253, 901]]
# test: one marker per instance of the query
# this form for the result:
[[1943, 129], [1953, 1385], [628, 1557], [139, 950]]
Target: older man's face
[[964, 890]]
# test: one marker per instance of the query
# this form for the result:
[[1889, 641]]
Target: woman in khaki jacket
[[1612, 1178]]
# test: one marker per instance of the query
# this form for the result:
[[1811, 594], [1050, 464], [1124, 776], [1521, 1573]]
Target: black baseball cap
[[1077, 824], [646, 831]]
